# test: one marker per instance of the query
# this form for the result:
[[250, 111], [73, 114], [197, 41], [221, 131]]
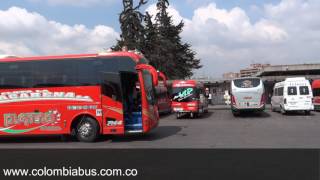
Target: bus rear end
[[247, 94], [316, 94]]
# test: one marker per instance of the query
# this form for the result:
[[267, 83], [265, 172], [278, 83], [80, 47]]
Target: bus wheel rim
[[85, 129]]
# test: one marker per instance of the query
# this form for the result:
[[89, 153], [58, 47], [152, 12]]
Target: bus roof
[[316, 84], [246, 78], [136, 57]]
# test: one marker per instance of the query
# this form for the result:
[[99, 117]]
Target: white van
[[247, 94], [293, 94]]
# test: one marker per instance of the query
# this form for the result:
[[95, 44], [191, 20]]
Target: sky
[[226, 35]]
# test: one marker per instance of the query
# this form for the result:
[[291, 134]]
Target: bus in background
[[247, 95], [163, 96], [316, 94], [83, 95], [293, 94], [188, 97]]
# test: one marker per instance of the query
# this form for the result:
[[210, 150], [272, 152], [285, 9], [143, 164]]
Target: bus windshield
[[184, 94], [247, 83], [149, 88]]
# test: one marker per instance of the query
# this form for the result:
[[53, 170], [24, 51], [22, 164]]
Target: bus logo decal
[[40, 95]]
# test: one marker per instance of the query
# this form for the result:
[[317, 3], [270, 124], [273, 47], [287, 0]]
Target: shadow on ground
[[254, 115], [158, 133], [203, 116], [34, 139], [299, 113]]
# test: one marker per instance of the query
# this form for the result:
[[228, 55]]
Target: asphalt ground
[[216, 129]]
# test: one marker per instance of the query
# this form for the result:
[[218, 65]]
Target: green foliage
[[160, 41], [131, 19]]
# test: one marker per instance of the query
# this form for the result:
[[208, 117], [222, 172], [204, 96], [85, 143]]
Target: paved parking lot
[[217, 129]]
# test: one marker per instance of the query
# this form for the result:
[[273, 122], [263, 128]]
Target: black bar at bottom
[[174, 163]]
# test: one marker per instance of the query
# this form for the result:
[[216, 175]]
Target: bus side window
[[109, 90], [111, 86]]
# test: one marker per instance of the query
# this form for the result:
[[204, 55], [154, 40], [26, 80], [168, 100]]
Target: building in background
[[270, 74], [230, 75], [252, 70]]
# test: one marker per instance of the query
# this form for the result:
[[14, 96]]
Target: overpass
[[280, 72]]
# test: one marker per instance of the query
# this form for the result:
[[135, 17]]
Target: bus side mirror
[[152, 71], [163, 77]]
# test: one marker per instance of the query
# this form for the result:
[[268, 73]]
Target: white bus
[[247, 94], [293, 94]]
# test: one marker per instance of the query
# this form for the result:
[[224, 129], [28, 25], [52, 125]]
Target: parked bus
[[247, 95], [293, 94], [82, 95], [316, 94], [163, 96], [188, 97]]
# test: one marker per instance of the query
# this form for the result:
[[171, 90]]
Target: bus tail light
[[233, 100], [263, 99], [285, 101]]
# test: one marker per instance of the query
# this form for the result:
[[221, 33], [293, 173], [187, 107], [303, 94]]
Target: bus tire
[[235, 113], [178, 115], [87, 130]]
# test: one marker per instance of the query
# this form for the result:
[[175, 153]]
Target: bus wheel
[[178, 115], [236, 113], [87, 130]]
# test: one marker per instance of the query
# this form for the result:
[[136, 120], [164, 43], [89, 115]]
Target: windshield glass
[[184, 94], [247, 83], [149, 88]]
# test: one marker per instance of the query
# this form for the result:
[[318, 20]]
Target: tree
[[150, 49], [174, 58], [131, 19], [160, 41]]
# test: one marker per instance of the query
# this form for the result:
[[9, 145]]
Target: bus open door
[[148, 78], [133, 107]]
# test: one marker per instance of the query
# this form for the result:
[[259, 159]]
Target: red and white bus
[[163, 96], [83, 95], [316, 94], [188, 97]]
